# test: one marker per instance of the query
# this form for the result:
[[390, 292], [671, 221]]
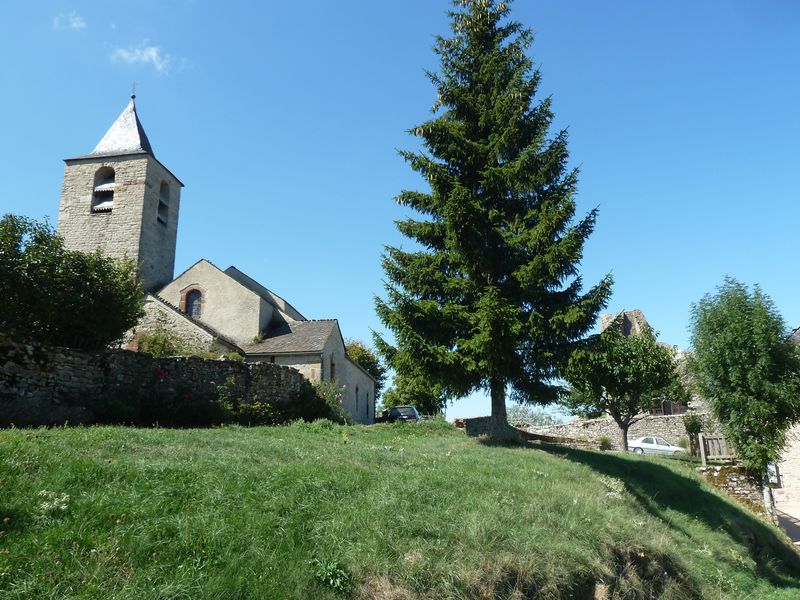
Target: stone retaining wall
[[42, 385], [737, 483]]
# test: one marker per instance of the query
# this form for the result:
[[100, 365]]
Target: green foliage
[[243, 413], [368, 360], [693, 423], [313, 402], [747, 368], [604, 442], [238, 512], [331, 574], [683, 443], [162, 342], [63, 297], [492, 298], [415, 391], [621, 375]]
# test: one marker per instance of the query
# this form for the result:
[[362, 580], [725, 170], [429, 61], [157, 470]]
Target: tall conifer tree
[[492, 299]]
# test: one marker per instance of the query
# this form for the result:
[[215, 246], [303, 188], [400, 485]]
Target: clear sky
[[283, 120]]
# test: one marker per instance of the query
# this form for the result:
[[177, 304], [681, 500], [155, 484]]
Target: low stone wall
[[42, 385], [670, 427], [737, 483]]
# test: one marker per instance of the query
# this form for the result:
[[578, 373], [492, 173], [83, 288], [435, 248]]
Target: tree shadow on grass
[[658, 489]]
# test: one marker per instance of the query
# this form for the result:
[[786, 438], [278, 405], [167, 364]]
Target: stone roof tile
[[294, 336], [126, 136]]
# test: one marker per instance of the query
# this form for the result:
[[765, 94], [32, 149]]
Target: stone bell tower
[[121, 199]]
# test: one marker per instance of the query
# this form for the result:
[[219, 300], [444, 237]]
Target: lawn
[[389, 511]]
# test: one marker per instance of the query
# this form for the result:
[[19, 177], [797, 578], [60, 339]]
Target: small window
[[194, 303], [333, 370], [163, 203], [103, 191], [272, 360], [356, 399]]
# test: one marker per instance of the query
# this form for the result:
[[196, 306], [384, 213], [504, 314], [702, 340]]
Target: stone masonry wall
[[41, 385], [159, 315], [131, 228], [670, 427]]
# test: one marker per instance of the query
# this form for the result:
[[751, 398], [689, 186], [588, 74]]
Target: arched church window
[[194, 303], [103, 191], [163, 203]]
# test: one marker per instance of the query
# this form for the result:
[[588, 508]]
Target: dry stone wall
[[42, 385], [670, 427]]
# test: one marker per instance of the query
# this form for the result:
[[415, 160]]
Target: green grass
[[391, 511]]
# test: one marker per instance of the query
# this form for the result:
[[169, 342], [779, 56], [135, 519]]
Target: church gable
[[208, 294]]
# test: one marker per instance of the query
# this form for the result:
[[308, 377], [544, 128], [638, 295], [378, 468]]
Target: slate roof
[[126, 136], [294, 336], [795, 336]]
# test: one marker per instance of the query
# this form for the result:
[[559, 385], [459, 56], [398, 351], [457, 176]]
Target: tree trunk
[[623, 428], [499, 429], [768, 498]]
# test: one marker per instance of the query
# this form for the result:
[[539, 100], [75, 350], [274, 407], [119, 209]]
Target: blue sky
[[283, 120]]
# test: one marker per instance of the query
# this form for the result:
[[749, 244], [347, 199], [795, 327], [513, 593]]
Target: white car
[[652, 444]]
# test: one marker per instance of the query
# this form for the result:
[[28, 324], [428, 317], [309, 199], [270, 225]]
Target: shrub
[[605, 442], [63, 297], [693, 423], [319, 401], [683, 443], [162, 342]]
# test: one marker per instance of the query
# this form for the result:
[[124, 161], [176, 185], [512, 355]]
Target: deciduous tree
[[489, 298], [368, 360], [622, 376], [746, 367]]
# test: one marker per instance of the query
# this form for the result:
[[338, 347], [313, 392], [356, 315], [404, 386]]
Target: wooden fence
[[714, 447]]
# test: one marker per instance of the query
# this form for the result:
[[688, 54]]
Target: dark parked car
[[408, 414]]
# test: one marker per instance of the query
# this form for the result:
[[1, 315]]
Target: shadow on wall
[[658, 489]]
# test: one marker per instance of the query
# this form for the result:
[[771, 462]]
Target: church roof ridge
[[125, 136]]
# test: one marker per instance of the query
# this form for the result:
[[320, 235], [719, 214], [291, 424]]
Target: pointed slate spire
[[126, 135]]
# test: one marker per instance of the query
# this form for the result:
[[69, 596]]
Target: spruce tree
[[491, 297]]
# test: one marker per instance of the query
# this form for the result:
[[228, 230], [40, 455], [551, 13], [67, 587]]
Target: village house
[[121, 199]]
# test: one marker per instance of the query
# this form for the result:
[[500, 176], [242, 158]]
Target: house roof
[[268, 295], [126, 135], [795, 336], [294, 337]]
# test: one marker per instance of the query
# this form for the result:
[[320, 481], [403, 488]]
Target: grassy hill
[[390, 511]]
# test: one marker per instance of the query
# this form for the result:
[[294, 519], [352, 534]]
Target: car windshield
[[406, 411]]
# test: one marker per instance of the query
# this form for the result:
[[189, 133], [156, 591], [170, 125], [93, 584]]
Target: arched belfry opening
[[105, 180], [163, 203]]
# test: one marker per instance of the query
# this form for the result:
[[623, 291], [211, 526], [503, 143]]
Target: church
[[121, 199]]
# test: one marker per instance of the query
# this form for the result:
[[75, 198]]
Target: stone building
[[121, 199]]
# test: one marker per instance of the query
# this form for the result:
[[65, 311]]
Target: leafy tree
[[368, 360], [749, 371], [63, 297], [490, 298], [415, 391], [622, 376]]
